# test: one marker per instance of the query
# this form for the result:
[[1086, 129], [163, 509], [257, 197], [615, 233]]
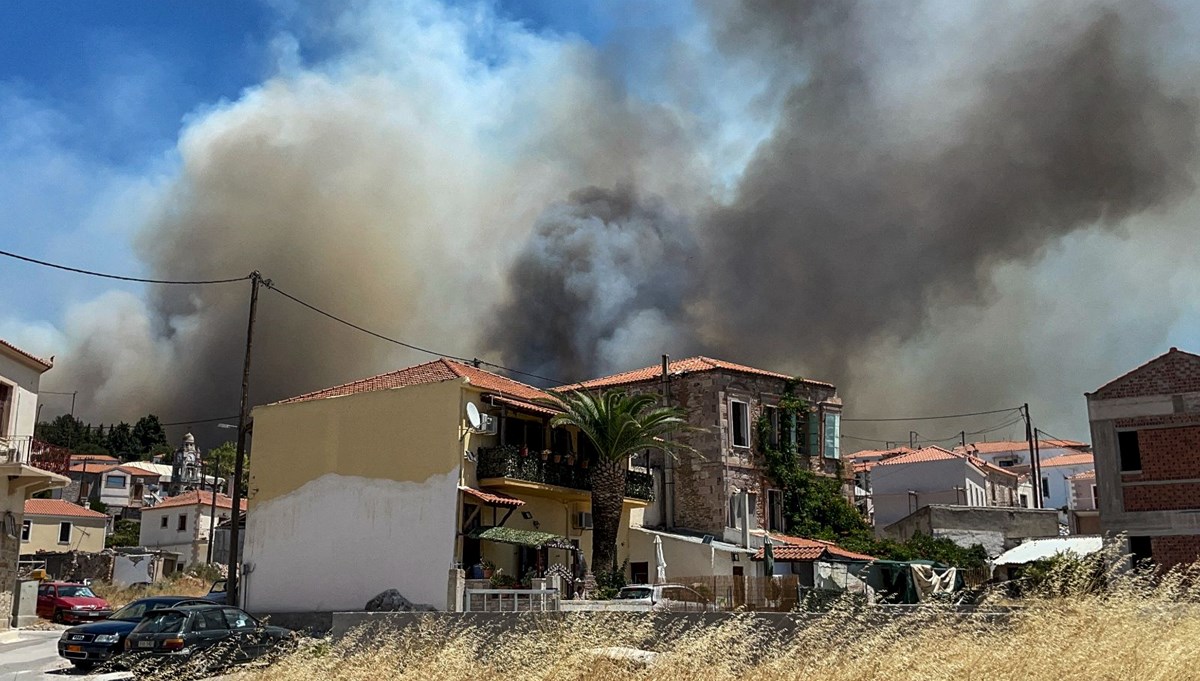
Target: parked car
[[184, 631], [67, 602], [217, 594], [666, 598], [90, 644]]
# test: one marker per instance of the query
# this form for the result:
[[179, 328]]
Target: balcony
[[507, 461]]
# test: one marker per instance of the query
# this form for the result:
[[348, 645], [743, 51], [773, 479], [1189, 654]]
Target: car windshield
[[167, 622], [134, 611], [75, 592], [217, 588], [629, 593]]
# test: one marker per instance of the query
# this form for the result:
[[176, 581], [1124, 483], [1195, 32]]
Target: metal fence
[[511, 600], [732, 592]]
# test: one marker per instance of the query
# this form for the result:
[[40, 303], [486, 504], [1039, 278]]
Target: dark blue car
[[90, 644]]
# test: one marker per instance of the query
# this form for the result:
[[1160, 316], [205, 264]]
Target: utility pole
[[233, 577], [1037, 456], [1034, 464], [962, 437], [212, 511]]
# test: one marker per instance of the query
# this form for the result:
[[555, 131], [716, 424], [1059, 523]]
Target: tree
[[618, 426], [125, 533], [148, 433], [121, 442], [226, 456], [64, 431]]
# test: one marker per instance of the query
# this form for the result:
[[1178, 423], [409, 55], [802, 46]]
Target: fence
[[510, 600], [733, 592]]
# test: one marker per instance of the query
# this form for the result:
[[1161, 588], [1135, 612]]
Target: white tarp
[[1039, 549]]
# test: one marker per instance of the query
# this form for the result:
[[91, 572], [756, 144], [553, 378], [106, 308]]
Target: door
[[209, 629], [251, 640], [45, 601]]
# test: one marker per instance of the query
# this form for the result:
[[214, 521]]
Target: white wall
[[338, 541], [1060, 485], [933, 481], [684, 558], [22, 414], [192, 543]]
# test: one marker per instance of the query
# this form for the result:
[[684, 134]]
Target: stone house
[[1146, 442], [702, 492]]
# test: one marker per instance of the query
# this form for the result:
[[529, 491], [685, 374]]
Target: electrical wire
[[932, 418], [473, 361], [118, 277]]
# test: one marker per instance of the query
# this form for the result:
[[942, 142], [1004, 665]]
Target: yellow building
[[56, 525], [386, 483]]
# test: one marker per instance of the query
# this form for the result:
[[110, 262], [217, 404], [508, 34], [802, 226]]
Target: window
[[162, 522], [639, 573], [1045, 487], [1142, 550], [753, 510], [26, 528], [1095, 497], [833, 435], [775, 510], [64, 533], [182, 526], [210, 620], [734, 512], [114, 481], [739, 415], [1024, 501], [238, 619], [772, 414], [1131, 455], [85, 489]]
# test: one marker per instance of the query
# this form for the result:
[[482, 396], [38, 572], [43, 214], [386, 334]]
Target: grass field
[[180, 586], [1131, 629]]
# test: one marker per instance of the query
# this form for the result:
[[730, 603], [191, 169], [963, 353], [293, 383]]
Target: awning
[[492, 498], [530, 538]]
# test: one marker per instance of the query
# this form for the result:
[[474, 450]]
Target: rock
[[390, 601]]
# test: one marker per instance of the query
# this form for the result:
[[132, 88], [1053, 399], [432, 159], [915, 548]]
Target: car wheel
[[58, 617]]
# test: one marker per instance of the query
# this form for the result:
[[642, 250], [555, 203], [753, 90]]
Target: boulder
[[390, 601]]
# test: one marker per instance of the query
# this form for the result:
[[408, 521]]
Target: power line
[[932, 418], [118, 277], [410, 346]]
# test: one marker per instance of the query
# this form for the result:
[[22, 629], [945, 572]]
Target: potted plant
[[488, 568], [545, 454]]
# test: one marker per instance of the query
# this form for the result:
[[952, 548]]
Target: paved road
[[35, 656]]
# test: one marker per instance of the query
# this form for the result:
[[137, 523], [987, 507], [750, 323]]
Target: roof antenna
[[475, 362]]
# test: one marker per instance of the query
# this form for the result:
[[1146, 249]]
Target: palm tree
[[618, 426]]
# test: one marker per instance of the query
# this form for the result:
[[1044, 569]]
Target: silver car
[[666, 598]]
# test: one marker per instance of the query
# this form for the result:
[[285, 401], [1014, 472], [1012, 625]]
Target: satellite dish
[[473, 416]]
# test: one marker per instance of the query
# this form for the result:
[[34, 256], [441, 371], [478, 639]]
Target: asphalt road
[[35, 656]]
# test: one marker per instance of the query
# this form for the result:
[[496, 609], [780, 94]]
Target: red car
[[70, 603]]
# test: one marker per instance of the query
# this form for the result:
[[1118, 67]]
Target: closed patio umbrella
[[768, 557], [661, 562]]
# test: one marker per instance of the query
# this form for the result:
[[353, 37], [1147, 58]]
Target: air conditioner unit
[[488, 425], [583, 520]]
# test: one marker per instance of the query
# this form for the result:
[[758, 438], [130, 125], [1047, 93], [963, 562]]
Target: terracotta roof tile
[[1084, 475], [193, 498], [1080, 459], [494, 498], [94, 458], [104, 467], [59, 508], [1172, 372], [935, 453], [876, 454], [430, 372], [1019, 446], [46, 364], [787, 548], [682, 366]]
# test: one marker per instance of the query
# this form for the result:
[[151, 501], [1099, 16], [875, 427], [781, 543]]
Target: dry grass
[[1132, 630], [181, 586]]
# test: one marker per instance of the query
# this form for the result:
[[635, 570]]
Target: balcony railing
[[507, 461], [15, 449], [33, 452]]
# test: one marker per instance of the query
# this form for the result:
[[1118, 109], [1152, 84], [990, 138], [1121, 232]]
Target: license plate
[[74, 649], [145, 644]]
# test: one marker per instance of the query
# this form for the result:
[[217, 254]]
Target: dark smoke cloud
[[601, 282]]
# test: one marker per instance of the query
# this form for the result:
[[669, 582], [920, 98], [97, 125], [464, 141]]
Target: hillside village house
[[1056, 479], [54, 525], [723, 491], [1059, 460], [183, 524], [20, 376], [1146, 440], [123, 488], [399, 488], [1083, 509], [901, 485]]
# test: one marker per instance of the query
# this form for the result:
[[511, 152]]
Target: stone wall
[[1175, 550], [76, 566]]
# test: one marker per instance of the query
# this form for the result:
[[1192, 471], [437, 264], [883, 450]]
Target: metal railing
[[15, 449], [507, 461], [511, 600]]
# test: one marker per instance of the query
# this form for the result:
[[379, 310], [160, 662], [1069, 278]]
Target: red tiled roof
[[1068, 460], [104, 467], [1084, 475], [203, 498], [864, 466], [529, 406], [94, 458], [430, 372], [878, 453], [682, 366], [493, 498], [59, 508], [1019, 446], [788, 548], [46, 364], [1170, 373], [935, 453]]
